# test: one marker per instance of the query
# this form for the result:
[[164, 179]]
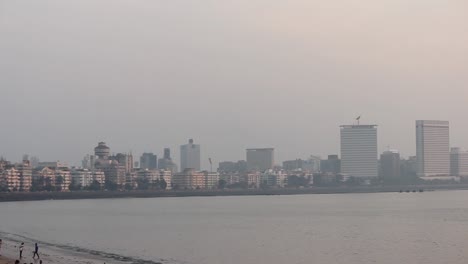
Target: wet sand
[[4, 260]]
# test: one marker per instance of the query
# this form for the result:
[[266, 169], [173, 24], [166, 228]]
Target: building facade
[[9, 179], [232, 167], [166, 175], [331, 165], [432, 148], [188, 179], [59, 179], [260, 159], [293, 165], [85, 177], [458, 162], [190, 156], [166, 162], [149, 161], [25, 174], [211, 180], [359, 151], [390, 164]]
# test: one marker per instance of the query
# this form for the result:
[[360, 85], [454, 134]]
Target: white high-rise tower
[[190, 156], [359, 151], [432, 148]]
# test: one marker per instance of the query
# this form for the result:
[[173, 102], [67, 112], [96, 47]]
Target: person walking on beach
[[1, 247], [36, 251], [21, 250]]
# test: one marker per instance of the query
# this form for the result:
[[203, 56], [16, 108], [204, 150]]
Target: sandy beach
[[10, 253], [49, 254], [4, 260]]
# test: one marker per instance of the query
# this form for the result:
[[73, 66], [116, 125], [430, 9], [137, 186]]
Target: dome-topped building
[[102, 151]]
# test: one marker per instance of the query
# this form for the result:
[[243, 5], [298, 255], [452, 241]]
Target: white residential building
[[211, 180], [166, 175], [10, 179], [84, 177]]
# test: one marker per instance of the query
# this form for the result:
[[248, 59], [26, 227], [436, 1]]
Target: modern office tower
[[88, 162], [149, 161], [408, 167], [53, 164], [167, 153], [261, 159], [190, 156], [34, 161], [232, 167], [359, 151], [458, 162], [331, 165], [292, 165], [125, 160], [166, 162], [390, 164], [312, 164], [432, 148]]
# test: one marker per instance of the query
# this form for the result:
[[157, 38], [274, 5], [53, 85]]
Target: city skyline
[[216, 161], [286, 78]]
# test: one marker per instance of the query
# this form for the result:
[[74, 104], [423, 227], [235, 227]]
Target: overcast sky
[[144, 75]]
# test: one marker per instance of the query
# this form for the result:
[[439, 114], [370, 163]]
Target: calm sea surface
[[429, 227]]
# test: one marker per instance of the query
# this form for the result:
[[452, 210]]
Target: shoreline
[[39, 196], [58, 254]]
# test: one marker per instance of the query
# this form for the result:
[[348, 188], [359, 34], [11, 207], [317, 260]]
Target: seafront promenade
[[37, 196]]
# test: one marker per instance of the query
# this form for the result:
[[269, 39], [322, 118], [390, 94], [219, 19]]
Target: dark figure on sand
[[36, 251], [21, 250], [1, 247]]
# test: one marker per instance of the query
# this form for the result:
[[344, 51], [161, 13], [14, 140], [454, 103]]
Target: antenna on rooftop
[[358, 118]]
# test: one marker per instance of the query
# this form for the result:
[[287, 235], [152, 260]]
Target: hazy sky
[[144, 75]]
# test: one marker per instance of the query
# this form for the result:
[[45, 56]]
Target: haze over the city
[[144, 75]]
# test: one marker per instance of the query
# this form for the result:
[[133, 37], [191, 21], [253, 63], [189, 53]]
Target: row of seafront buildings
[[50, 176], [434, 160], [105, 171], [122, 172]]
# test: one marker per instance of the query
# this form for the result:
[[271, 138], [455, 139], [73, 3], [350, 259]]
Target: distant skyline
[[146, 75]]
